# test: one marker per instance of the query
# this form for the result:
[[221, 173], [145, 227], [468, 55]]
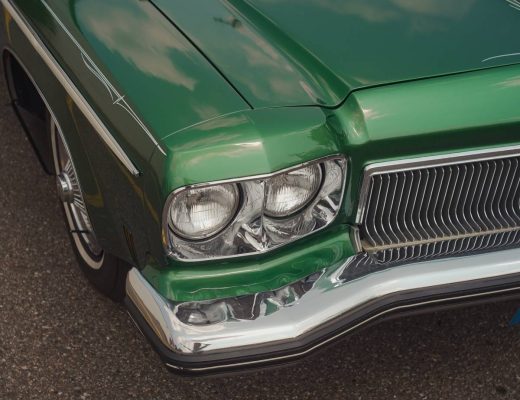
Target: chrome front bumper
[[290, 323]]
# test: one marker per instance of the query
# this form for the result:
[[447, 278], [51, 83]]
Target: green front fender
[[242, 144]]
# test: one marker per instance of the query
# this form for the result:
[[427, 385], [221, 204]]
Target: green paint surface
[[323, 77]]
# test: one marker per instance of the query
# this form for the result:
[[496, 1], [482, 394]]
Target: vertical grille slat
[[425, 211], [445, 210], [408, 190], [499, 192], [391, 208], [397, 207], [514, 199], [386, 203], [371, 232], [463, 210], [421, 205]]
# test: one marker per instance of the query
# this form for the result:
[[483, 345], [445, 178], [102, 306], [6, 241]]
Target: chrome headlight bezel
[[252, 231]]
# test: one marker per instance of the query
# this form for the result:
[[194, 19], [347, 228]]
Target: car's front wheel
[[106, 272]]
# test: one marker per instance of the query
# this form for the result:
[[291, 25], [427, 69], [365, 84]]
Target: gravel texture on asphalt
[[61, 339]]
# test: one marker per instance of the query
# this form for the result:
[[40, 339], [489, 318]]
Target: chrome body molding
[[515, 4], [116, 97], [326, 300], [70, 87]]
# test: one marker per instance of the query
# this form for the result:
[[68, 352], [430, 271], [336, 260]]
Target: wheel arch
[[51, 96], [30, 106]]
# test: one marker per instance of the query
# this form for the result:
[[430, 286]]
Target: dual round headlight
[[288, 193], [199, 213]]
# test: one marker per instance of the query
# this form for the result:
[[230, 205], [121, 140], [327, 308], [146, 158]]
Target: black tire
[[104, 271], [110, 278]]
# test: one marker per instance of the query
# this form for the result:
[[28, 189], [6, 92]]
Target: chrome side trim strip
[[370, 248], [430, 161], [116, 97], [328, 299], [69, 87]]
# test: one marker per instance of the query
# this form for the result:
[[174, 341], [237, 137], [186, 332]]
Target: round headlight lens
[[203, 212], [291, 192]]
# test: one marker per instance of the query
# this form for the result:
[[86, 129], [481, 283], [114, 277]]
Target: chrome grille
[[443, 207]]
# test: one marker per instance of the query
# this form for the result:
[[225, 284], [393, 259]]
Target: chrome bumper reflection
[[296, 310]]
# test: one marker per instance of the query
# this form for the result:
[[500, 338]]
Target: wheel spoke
[[75, 201]]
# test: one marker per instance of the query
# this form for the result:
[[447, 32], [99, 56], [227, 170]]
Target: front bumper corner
[[292, 322]]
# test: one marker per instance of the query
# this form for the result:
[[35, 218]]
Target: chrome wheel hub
[[70, 194], [65, 190]]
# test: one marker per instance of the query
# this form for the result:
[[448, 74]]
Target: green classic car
[[257, 178]]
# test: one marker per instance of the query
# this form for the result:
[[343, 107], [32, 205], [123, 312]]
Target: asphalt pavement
[[60, 339]]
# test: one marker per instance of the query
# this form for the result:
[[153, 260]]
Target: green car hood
[[305, 52]]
